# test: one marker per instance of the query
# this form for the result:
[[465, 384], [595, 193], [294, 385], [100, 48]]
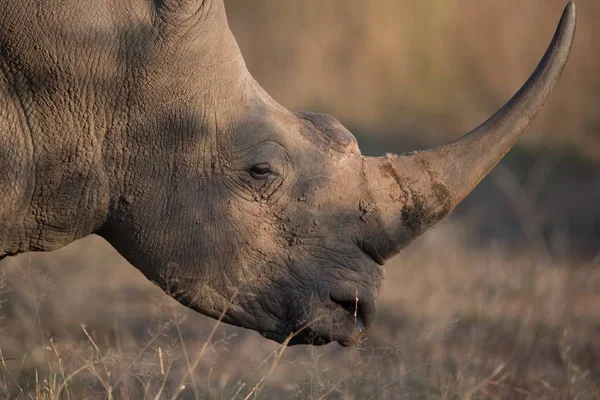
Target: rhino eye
[[260, 171]]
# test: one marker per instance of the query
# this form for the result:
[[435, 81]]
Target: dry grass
[[456, 322]]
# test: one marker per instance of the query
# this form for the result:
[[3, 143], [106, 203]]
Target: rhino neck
[[70, 128], [51, 173]]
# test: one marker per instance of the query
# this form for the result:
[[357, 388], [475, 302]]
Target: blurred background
[[501, 300]]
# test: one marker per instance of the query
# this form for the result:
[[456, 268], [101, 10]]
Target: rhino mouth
[[345, 322], [314, 337]]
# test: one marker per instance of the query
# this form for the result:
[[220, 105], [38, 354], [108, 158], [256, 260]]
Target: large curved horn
[[427, 185], [462, 164]]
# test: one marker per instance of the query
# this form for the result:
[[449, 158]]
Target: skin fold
[[138, 121]]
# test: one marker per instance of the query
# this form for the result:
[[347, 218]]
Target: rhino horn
[[428, 184]]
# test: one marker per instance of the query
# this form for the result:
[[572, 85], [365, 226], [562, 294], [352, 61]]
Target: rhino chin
[[308, 336]]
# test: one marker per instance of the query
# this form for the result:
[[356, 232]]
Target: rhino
[[138, 121]]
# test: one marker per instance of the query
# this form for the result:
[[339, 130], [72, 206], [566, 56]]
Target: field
[[501, 300]]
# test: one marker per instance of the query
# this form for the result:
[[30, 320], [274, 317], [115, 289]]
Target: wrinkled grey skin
[[138, 120]]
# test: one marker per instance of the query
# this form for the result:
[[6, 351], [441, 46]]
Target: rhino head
[[138, 120]]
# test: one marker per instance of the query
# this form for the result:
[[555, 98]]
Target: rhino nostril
[[357, 311]]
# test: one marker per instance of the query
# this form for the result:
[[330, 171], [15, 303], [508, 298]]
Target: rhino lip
[[319, 335], [309, 336], [312, 337], [368, 248]]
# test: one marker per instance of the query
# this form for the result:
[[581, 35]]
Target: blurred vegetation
[[423, 71]]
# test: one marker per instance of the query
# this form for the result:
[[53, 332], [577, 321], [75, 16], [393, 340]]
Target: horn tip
[[570, 13], [568, 23]]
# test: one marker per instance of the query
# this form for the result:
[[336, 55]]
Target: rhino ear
[[329, 130], [187, 14]]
